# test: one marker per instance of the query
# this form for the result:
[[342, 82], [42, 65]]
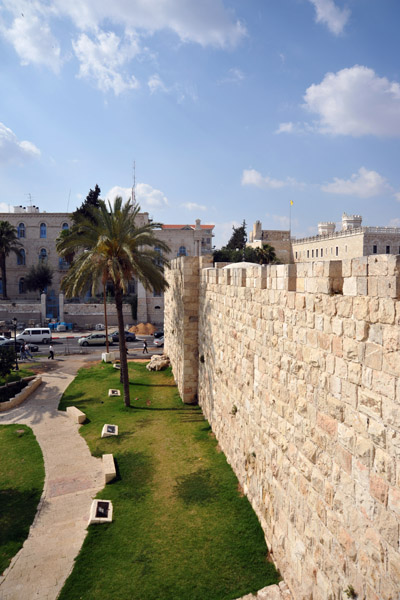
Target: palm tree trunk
[[122, 345], [3, 276], [105, 316]]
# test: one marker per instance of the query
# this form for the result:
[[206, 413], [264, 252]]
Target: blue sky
[[230, 109]]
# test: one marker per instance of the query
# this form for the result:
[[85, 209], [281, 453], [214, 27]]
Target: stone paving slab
[[271, 592], [73, 478]]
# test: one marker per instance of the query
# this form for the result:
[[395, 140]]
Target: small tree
[[8, 243], [7, 360], [238, 238], [266, 255], [38, 278], [92, 200]]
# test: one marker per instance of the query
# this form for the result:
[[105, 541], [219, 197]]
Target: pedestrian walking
[[22, 355], [145, 351], [51, 353], [27, 351]]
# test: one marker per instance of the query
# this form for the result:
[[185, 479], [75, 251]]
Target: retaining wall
[[297, 369]]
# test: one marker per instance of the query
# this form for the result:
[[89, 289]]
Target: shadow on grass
[[153, 385], [18, 509], [196, 488], [135, 473], [171, 409]]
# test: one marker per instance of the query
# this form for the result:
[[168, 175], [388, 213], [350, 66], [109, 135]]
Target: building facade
[[352, 241], [279, 240], [38, 231]]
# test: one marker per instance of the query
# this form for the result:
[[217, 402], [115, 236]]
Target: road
[[65, 344]]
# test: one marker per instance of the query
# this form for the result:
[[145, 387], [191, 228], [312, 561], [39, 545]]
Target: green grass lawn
[[21, 485], [182, 530]]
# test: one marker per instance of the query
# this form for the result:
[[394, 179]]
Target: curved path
[[73, 478]]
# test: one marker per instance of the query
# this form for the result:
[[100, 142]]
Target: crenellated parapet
[[297, 369]]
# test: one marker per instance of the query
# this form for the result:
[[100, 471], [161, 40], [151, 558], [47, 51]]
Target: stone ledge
[[76, 414], [22, 395], [109, 469]]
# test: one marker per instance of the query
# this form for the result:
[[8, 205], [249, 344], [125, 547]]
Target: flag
[[291, 203]]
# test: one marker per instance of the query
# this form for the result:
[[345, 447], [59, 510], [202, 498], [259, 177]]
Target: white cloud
[[29, 26], [253, 177], [234, 76], [363, 184], [356, 102], [331, 15], [156, 84], [223, 232], [11, 149], [394, 222], [194, 206], [207, 23], [4, 208], [282, 220], [147, 197], [33, 40], [397, 196], [285, 128], [101, 61]]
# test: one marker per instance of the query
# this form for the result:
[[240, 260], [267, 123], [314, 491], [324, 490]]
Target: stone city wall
[[297, 369]]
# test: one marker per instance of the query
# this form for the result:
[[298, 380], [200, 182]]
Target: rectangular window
[[337, 250], [316, 253], [312, 253], [322, 252], [308, 254], [374, 249], [387, 249], [296, 254]]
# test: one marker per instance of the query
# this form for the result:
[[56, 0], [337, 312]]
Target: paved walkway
[[73, 478]]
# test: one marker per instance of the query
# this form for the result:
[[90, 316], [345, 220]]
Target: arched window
[[182, 251], [43, 255], [21, 257], [21, 286], [43, 230], [21, 230], [65, 226]]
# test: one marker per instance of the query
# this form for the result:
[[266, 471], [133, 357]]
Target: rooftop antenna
[[134, 185], [30, 198]]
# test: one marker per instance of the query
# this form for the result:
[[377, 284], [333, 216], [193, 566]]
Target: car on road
[[9, 343], [95, 339], [158, 334], [129, 336], [159, 342]]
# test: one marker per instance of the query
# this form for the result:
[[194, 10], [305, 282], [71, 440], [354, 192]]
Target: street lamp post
[[14, 322]]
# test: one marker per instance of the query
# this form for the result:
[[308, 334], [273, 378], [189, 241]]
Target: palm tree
[[8, 243], [112, 248], [266, 255]]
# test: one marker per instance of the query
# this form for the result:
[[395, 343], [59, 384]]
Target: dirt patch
[[143, 329]]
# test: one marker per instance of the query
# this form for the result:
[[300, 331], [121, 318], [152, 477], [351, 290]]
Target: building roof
[[186, 226]]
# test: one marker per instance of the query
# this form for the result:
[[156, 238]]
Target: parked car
[[40, 335], [95, 339], [129, 336], [9, 343], [159, 342], [158, 334]]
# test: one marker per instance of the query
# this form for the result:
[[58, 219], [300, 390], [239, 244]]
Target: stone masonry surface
[[297, 369]]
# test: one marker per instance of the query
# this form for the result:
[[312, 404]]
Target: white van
[[40, 335]]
